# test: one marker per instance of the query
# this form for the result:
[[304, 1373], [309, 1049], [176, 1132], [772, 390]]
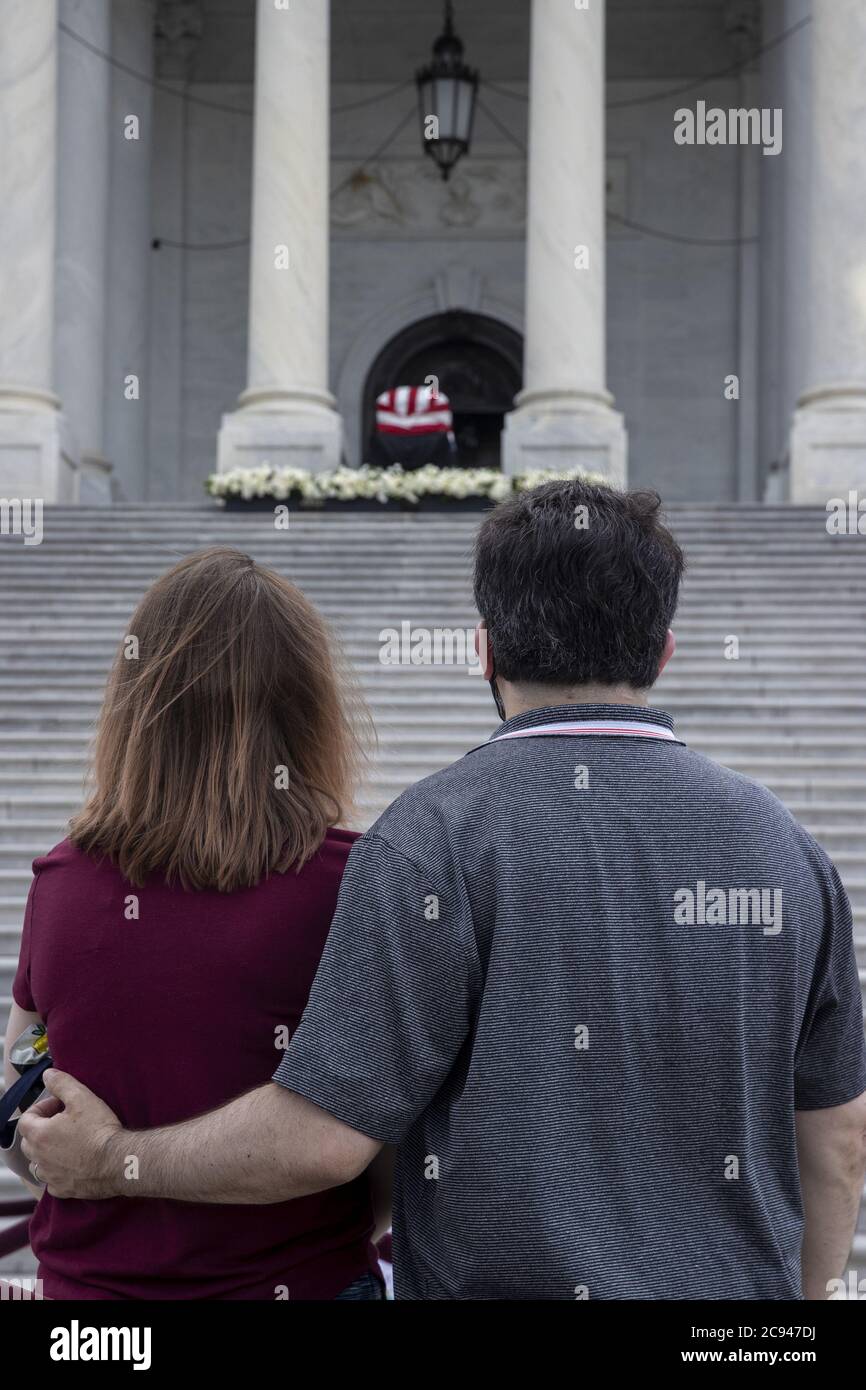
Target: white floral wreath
[[382, 484]]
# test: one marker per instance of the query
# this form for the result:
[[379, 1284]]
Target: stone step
[[810, 581], [31, 823], [124, 527], [737, 750], [701, 720], [84, 554], [27, 763], [52, 804], [122, 524], [42, 791], [390, 775], [89, 546], [434, 567], [139, 541], [811, 710], [309, 530], [412, 561], [83, 547], [18, 847], [440, 561], [707, 520], [777, 622], [418, 569], [183, 516], [426, 604], [698, 667], [387, 678]]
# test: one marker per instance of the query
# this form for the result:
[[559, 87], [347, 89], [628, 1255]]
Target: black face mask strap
[[497, 698]]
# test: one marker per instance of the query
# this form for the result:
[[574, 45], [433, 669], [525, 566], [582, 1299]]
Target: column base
[[93, 481], [538, 436], [35, 455], [307, 438], [828, 445]]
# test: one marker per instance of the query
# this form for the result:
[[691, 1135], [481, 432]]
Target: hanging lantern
[[447, 89]]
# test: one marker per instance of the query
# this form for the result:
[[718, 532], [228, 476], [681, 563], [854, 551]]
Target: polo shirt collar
[[598, 714]]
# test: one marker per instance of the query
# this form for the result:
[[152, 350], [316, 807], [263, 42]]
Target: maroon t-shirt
[[165, 1015]]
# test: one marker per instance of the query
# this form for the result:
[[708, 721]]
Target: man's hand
[[269, 1145], [69, 1140]]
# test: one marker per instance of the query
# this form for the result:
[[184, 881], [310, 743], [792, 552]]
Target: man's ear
[[484, 650], [669, 649]]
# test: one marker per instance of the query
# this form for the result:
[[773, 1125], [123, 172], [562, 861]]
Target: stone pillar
[[564, 417], [784, 251], [286, 415], [84, 87], [742, 20], [127, 377], [34, 457], [179, 29], [784, 85], [748, 294], [828, 438]]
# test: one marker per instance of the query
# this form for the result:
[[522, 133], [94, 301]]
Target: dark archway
[[478, 363]]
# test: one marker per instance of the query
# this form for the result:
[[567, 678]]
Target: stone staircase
[[790, 711]]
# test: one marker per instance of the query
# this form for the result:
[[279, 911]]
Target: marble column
[[179, 30], [287, 415], [828, 437], [84, 86], [564, 416], [127, 376], [785, 191], [743, 25], [34, 457]]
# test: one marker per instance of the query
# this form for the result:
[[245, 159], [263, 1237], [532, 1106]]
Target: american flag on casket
[[413, 410]]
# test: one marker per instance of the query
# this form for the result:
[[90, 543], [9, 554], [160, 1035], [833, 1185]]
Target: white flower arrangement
[[382, 484]]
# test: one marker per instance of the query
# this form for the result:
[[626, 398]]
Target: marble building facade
[[156, 152]]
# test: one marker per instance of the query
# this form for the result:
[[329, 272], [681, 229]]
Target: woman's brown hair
[[226, 745]]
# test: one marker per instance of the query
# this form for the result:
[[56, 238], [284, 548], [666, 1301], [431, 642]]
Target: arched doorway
[[478, 363]]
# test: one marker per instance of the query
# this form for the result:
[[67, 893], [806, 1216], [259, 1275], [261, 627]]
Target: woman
[[170, 942]]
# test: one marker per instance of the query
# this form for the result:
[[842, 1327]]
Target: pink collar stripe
[[616, 727]]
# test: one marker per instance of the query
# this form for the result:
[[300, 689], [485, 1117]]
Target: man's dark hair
[[577, 584]]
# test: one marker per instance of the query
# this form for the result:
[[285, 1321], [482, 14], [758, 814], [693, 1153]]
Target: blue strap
[[10, 1101]]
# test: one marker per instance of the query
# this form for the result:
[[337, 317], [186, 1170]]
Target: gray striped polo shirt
[[583, 982]]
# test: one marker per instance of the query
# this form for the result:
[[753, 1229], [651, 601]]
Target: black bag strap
[[10, 1101]]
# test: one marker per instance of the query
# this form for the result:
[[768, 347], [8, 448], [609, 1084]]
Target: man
[[599, 992]]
